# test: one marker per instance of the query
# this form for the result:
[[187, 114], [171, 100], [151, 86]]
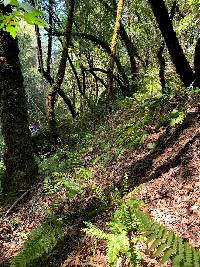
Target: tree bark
[[178, 58], [161, 58], [53, 90], [131, 49], [47, 74], [110, 92], [21, 167], [50, 31], [161, 62], [197, 64]]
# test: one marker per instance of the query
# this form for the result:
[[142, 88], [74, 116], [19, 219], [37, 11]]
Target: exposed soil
[[169, 175]]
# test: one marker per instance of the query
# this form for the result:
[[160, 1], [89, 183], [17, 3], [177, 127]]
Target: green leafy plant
[[62, 180], [129, 220], [173, 118], [131, 136], [119, 241], [166, 243], [20, 11], [84, 173], [117, 244], [40, 242]]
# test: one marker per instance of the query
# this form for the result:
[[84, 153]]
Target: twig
[[16, 202], [192, 223]]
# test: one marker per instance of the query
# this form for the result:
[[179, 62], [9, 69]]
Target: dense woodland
[[99, 133]]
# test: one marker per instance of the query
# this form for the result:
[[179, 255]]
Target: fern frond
[[163, 242], [39, 243], [177, 260], [155, 244], [161, 248], [188, 254], [167, 255], [92, 230], [196, 258]]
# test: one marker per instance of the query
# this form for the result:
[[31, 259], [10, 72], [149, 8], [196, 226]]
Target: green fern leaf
[[167, 254], [180, 246], [160, 231], [154, 227], [160, 249], [177, 261], [94, 231], [165, 235], [40, 242], [117, 244], [150, 238], [155, 244], [170, 239], [175, 244], [188, 253], [162, 241], [196, 257]]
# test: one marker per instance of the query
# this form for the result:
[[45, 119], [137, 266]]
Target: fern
[[119, 242], [162, 243], [40, 242], [165, 243]]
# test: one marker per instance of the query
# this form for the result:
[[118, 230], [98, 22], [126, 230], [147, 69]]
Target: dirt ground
[[169, 176]]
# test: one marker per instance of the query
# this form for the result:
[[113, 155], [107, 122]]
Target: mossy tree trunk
[[114, 50], [130, 47], [21, 167], [197, 64]]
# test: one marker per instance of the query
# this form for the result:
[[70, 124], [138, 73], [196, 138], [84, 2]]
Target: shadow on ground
[[168, 153]]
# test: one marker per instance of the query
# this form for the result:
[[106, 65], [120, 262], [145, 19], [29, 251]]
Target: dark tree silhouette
[[178, 58], [21, 168]]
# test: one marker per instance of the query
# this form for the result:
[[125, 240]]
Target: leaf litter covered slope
[[170, 177], [169, 172]]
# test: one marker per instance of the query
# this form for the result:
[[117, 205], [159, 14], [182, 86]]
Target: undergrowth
[[70, 168], [130, 226], [39, 243]]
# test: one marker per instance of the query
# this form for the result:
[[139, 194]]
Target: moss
[[21, 167]]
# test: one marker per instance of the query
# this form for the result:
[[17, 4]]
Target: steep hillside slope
[[164, 160]]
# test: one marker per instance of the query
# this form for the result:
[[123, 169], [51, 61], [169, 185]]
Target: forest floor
[[168, 175]]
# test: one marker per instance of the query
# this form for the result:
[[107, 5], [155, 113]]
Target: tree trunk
[[54, 89], [197, 64], [131, 49], [50, 39], [161, 58], [21, 167], [178, 58], [161, 62], [110, 92]]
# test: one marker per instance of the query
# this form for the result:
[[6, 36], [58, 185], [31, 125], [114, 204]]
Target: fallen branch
[[16, 202]]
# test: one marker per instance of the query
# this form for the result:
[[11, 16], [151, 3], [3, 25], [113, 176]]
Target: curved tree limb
[[53, 90], [47, 74], [107, 49], [106, 72], [178, 58], [161, 59], [131, 49]]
